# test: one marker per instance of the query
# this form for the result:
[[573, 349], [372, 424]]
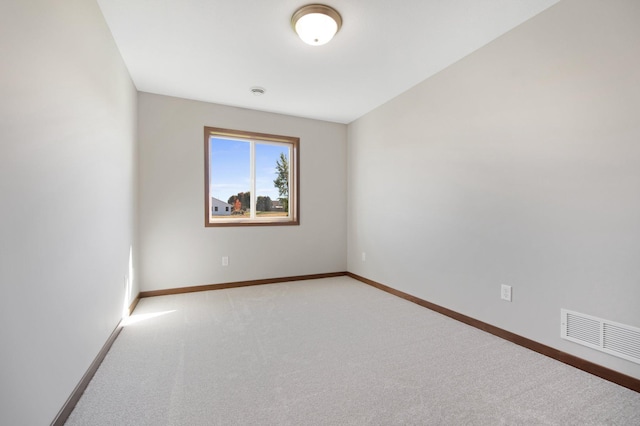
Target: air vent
[[258, 91], [607, 336]]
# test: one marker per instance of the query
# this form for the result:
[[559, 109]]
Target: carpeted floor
[[331, 352]]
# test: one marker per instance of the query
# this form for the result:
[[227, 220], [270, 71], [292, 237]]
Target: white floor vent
[[607, 336]]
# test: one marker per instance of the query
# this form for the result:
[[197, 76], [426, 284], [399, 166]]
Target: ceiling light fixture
[[316, 24]]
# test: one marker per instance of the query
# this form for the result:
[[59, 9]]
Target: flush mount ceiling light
[[316, 24]]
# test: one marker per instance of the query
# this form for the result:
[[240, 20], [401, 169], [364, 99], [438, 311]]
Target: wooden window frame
[[294, 182]]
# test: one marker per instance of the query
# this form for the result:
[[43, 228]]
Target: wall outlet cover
[[505, 292]]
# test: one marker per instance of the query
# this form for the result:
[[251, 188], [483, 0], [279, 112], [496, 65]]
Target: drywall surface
[[518, 165], [67, 155], [177, 250]]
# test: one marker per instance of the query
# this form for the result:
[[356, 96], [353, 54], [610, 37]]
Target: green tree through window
[[282, 181]]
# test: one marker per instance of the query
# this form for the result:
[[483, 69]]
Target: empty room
[[416, 212]]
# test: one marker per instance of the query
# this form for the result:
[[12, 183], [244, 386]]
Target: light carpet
[[331, 352]]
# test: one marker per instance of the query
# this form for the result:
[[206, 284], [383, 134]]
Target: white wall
[[67, 154], [520, 164], [176, 248]]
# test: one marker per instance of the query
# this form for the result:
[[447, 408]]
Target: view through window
[[239, 164]]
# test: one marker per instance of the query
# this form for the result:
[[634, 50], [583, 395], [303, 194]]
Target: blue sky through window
[[230, 172]]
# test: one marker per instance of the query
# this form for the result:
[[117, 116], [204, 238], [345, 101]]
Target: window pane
[[272, 180], [230, 178]]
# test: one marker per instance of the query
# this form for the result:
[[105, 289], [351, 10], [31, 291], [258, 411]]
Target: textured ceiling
[[216, 50]]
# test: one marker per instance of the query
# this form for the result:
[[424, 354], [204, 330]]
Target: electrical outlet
[[364, 256], [505, 292], [225, 260]]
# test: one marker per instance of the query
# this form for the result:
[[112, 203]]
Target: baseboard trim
[[572, 360], [235, 284], [73, 399], [134, 303]]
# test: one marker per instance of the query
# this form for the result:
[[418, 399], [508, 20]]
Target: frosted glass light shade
[[316, 24]]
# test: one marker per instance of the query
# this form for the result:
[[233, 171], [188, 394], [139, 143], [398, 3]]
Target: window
[[240, 164]]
